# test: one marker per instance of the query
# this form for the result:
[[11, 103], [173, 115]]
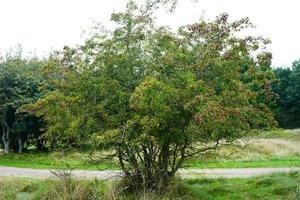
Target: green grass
[[278, 186], [80, 161], [272, 162], [53, 160], [268, 149], [293, 134], [12, 188], [273, 187], [35, 189]]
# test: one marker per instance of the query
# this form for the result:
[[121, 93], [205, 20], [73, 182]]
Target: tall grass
[[280, 148], [68, 188], [273, 187]]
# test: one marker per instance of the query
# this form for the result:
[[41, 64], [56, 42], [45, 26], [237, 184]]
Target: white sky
[[45, 25]]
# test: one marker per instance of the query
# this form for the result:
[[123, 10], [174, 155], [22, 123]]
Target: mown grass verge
[[275, 162], [56, 161]]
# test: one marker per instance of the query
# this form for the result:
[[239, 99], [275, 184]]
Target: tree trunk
[[165, 153], [53, 144], [20, 145], [5, 133], [40, 144], [6, 146]]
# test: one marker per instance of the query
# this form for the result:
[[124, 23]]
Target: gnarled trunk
[[147, 169], [5, 134], [165, 154]]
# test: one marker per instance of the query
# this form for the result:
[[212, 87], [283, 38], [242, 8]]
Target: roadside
[[268, 187], [110, 174]]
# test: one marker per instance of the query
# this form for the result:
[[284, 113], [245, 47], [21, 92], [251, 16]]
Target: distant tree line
[[287, 88], [19, 85]]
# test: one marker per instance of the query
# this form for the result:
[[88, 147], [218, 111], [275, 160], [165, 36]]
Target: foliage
[[18, 86], [288, 89], [155, 98]]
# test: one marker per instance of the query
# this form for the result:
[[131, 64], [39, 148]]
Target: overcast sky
[[45, 25]]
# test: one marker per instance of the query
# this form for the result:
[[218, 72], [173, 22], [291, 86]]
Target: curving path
[[184, 173]]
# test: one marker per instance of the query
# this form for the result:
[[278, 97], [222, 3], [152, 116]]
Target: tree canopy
[[18, 86], [155, 98], [288, 89]]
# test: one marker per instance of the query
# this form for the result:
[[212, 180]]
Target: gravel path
[[193, 173]]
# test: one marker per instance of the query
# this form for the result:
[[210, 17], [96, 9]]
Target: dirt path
[[193, 173]]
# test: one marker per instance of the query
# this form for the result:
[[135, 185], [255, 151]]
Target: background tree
[[288, 89], [18, 86]]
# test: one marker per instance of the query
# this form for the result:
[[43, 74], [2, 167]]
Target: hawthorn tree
[[155, 98]]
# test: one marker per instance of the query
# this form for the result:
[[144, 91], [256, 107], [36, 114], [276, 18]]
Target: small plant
[[67, 187]]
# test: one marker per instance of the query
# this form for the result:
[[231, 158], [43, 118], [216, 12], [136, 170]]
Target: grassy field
[[277, 186], [34, 189], [54, 160], [267, 149], [273, 187]]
